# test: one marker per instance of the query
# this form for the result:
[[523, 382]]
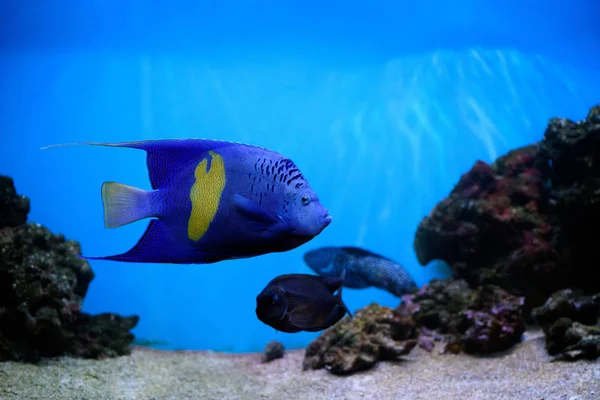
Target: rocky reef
[[483, 320], [571, 323], [273, 351], [359, 343], [42, 286], [492, 229], [520, 222], [518, 236], [523, 224]]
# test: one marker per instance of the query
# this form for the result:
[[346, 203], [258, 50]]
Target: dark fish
[[299, 302], [363, 269], [213, 200]]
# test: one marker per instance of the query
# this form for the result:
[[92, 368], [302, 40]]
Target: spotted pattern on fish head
[[265, 182], [277, 184], [205, 194], [299, 205]]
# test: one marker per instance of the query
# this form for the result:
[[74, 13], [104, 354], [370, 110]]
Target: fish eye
[[275, 299], [305, 199]]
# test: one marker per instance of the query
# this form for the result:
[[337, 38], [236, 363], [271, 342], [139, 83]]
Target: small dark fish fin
[[125, 204], [305, 316], [330, 320], [334, 283], [293, 278], [341, 303], [360, 252], [165, 156], [257, 218], [158, 246]]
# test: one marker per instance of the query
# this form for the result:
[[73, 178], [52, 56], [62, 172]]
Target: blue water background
[[381, 104]]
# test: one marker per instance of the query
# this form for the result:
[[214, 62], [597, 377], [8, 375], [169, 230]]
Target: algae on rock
[[571, 322], [42, 286], [522, 224], [518, 223], [483, 320], [359, 343]]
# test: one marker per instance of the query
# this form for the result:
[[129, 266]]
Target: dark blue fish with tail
[[363, 269], [300, 302], [213, 200]]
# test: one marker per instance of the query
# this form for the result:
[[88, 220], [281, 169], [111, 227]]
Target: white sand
[[522, 374]]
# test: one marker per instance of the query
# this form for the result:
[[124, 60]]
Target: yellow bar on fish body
[[205, 195]]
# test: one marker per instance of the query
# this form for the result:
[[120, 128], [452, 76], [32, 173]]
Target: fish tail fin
[[125, 204]]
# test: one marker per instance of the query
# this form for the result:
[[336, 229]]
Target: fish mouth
[[327, 218]]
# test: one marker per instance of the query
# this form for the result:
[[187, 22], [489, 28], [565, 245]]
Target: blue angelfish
[[213, 200]]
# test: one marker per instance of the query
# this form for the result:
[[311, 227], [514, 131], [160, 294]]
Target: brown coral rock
[[518, 222], [359, 343]]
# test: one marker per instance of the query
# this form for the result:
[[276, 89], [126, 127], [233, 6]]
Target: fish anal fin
[[158, 245]]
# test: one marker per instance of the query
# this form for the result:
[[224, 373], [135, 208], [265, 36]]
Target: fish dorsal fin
[[167, 155], [358, 252], [338, 297], [334, 283]]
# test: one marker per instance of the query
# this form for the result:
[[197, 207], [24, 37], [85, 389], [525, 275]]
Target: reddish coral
[[523, 223], [490, 229]]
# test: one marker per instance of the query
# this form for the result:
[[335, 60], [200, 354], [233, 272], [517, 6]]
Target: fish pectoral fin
[[305, 317], [257, 218], [326, 321]]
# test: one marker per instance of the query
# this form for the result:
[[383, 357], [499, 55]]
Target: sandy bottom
[[522, 374]]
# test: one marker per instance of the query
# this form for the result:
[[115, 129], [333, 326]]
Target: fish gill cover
[[381, 143]]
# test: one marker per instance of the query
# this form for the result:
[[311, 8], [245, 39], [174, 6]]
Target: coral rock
[[273, 351], [359, 343], [484, 320], [13, 207], [571, 323], [517, 223], [42, 286]]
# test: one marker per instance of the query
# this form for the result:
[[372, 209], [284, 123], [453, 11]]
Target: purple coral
[[483, 320]]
